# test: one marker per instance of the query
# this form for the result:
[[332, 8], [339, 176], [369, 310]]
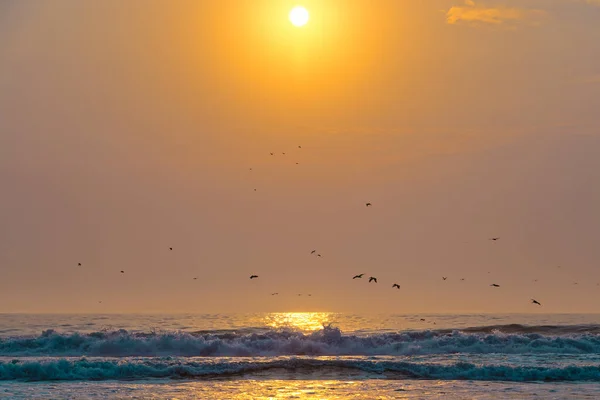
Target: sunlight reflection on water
[[298, 389], [303, 321]]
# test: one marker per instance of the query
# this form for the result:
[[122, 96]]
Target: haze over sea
[[299, 355]]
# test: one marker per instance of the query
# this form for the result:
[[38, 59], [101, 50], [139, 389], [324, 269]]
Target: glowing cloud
[[474, 14]]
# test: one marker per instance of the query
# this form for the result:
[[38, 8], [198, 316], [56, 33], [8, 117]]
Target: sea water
[[300, 356]]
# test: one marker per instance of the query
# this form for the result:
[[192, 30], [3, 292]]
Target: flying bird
[[170, 248], [368, 204], [462, 279], [272, 154], [494, 238], [79, 264], [195, 278], [253, 276], [444, 277], [395, 285], [422, 319], [318, 255], [122, 272], [274, 294], [299, 147], [494, 285], [313, 252], [371, 279], [283, 154], [534, 301], [358, 276]]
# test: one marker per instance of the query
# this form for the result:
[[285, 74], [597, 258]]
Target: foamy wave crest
[[84, 369], [329, 341], [542, 329]]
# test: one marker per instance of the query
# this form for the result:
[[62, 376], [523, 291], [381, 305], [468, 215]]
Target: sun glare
[[299, 16]]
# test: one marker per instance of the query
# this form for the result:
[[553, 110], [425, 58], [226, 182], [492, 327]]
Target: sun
[[299, 16]]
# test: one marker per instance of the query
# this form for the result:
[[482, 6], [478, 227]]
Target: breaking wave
[[83, 369], [329, 341]]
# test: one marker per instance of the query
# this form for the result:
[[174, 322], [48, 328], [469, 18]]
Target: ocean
[[299, 356]]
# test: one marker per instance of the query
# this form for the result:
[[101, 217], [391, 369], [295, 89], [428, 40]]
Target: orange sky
[[130, 127]]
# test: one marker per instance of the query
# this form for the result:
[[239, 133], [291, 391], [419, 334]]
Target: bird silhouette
[[371, 279], [534, 301], [313, 252], [395, 285], [79, 264], [444, 277], [299, 147], [422, 319], [122, 272], [494, 285], [253, 276], [368, 204], [494, 238], [195, 278], [272, 154], [462, 279], [283, 154], [170, 248], [274, 294], [358, 276], [318, 255]]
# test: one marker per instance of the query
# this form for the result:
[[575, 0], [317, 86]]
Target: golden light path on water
[[311, 389], [303, 321]]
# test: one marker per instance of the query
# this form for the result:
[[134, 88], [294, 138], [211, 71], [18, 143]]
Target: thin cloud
[[475, 14]]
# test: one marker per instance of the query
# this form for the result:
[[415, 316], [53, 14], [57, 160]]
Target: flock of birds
[[372, 279]]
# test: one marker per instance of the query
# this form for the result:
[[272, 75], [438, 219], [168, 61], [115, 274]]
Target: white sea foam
[[328, 341]]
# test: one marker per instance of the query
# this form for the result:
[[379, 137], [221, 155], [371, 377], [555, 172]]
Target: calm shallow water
[[299, 355], [299, 389]]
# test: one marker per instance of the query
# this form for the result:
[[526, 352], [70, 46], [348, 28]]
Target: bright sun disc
[[299, 16]]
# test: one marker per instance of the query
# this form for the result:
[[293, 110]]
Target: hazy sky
[[128, 127]]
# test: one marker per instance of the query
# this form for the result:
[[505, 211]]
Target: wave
[[542, 329], [329, 341], [84, 369]]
